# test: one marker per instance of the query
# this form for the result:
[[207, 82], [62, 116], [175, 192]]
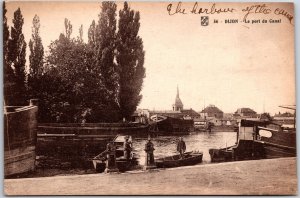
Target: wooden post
[[111, 164]]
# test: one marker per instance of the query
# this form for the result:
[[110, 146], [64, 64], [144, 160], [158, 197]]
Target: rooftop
[[165, 111], [244, 110], [190, 112], [211, 109]]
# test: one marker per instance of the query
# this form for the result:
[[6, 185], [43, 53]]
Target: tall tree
[[36, 59], [92, 34], [17, 56], [80, 37], [130, 59], [105, 55], [7, 69], [68, 28]]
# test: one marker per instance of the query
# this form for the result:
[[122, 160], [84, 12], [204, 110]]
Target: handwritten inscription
[[196, 10], [177, 10], [214, 9], [255, 9], [279, 11]]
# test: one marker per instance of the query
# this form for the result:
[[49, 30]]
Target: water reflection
[[166, 145]]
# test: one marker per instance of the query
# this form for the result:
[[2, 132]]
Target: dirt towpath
[[259, 177]]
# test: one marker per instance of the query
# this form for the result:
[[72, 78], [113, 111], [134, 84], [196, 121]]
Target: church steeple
[[178, 106]]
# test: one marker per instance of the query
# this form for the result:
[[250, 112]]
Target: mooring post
[[111, 164], [34, 102]]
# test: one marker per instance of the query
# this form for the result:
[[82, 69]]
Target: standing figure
[[209, 126], [127, 148], [111, 165], [149, 148], [181, 147]]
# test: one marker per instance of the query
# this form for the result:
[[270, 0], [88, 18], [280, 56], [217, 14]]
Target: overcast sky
[[228, 65]]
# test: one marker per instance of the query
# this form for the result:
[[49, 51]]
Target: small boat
[[189, 158], [123, 164]]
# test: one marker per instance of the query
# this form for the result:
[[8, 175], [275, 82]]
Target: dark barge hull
[[73, 142], [281, 144], [244, 150], [93, 129], [175, 126], [19, 139], [221, 155], [278, 151]]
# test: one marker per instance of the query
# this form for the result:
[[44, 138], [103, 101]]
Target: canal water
[[166, 145]]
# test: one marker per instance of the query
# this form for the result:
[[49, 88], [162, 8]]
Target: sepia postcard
[[149, 98]]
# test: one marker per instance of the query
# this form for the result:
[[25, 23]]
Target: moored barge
[[20, 123], [258, 139], [174, 126]]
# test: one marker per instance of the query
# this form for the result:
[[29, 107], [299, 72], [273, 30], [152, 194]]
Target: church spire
[[178, 106]]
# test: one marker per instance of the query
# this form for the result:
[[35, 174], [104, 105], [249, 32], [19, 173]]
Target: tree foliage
[[92, 35], [80, 37], [17, 58], [130, 58], [105, 55], [97, 81], [266, 116], [36, 60], [66, 61], [9, 77], [79, 87], [68, 28]]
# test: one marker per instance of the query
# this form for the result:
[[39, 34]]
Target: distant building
[[215, 121], [141, 116], [286, 115], [212, 111], [228, 119], [168, 113], [229, 122], [285, 119], [190, 113], [245, 113], [228, 116]]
